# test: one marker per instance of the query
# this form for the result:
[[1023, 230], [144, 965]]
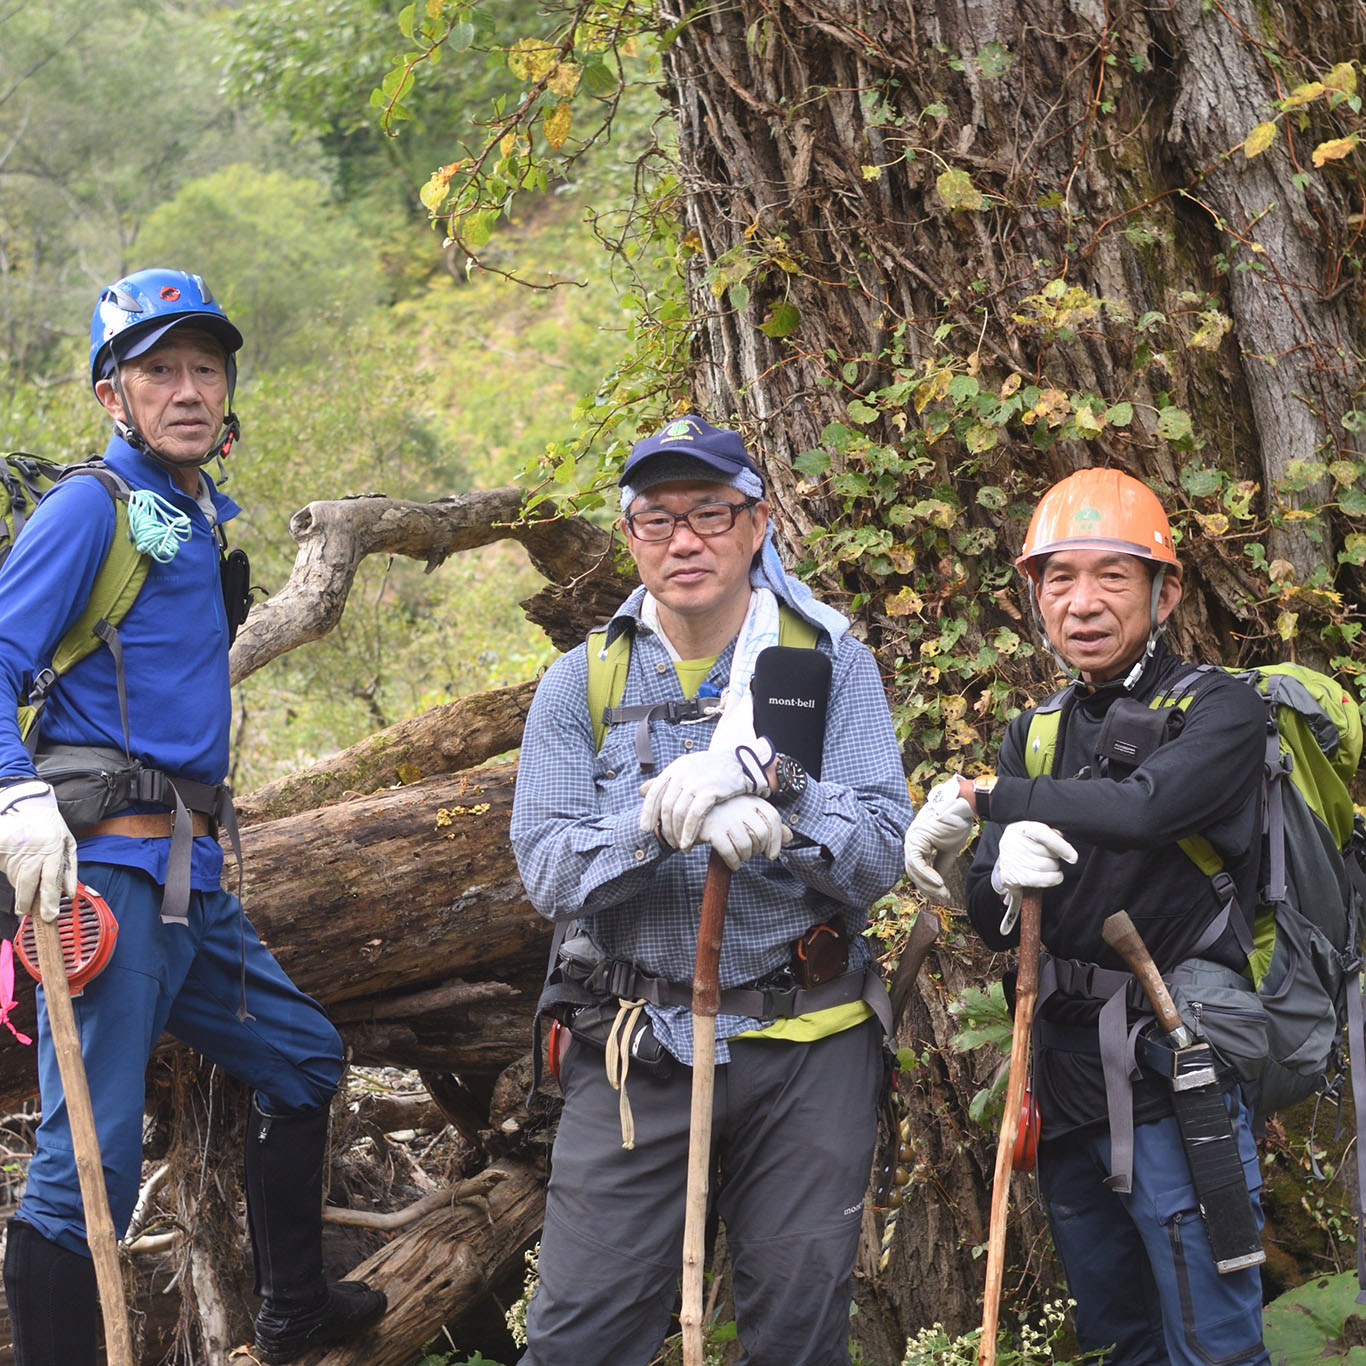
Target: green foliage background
[[240, 143]]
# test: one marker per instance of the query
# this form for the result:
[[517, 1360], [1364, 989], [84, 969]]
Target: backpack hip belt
[[92, 782], [762, 1000]]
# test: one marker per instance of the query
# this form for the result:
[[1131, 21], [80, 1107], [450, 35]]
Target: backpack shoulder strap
[[120, 578], [795, 630], [1041, 740], [607, 666]]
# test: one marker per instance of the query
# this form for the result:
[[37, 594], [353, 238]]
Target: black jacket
[[1206, 779]]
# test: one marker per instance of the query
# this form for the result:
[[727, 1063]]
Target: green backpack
[[24, 479], [1304, 937]]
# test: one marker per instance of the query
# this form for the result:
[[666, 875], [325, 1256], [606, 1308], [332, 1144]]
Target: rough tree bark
[[1089, 148]]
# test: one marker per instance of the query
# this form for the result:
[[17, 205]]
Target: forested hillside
[[927, 259]]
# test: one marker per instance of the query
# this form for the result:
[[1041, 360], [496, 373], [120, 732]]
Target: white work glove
[[37, 851], [740, 827], [677, 801], [941, 828], [1030, 856]]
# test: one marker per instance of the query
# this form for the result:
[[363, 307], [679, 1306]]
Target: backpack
[[1304, 937], [24, 479]]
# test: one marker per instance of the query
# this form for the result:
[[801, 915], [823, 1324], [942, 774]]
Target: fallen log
[[442, 1266], [388, 896], [446, 739]]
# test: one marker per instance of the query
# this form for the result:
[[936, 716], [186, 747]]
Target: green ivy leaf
[[598, 80], [1353, 502], [1200, 482], [1174, 424], [813, 463], [861, 412], [989, 496], [1120, 415], [783, 321]]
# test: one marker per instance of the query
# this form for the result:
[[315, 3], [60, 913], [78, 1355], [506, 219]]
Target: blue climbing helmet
[[133, 314]]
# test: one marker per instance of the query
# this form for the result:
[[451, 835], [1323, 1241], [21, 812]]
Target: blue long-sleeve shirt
[[175, 648], [576, 836]]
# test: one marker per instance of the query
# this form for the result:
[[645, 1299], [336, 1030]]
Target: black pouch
[[593, 1025], [89, 783], [822, 953], [1131, 733], [235, 574]]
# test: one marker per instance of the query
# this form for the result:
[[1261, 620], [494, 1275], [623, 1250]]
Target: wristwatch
[[981, 797], [791, 778]]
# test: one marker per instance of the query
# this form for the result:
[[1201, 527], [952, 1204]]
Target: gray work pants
[[792, 1138]]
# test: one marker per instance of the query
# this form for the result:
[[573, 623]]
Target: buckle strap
[[674, 709], [616, 977]]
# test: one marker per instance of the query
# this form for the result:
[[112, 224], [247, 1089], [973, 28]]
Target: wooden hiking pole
[[99, 1224], [1026, 991], [706, 1001]]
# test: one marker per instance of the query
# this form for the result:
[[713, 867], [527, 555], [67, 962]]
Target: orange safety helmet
[[1098, 509]]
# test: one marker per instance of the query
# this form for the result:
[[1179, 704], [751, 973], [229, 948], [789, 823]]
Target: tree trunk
[[933, 208]]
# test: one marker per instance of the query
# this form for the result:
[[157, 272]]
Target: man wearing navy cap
[[612, 841]]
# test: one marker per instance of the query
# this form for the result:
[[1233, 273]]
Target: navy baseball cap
[[691, 448]]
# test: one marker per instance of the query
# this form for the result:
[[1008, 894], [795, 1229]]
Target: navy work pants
[[793, 1132], [1139, 1265], [187, 980]]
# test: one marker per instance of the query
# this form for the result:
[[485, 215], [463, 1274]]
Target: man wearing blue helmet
[[150, 717]]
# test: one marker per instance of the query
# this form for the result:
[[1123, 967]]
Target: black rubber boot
[[52, 1300], [284, 1184]]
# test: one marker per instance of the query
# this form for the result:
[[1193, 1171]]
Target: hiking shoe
[[348, 1308]]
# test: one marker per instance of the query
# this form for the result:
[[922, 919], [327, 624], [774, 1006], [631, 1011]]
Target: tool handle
[[99, 1223], [706, 1000], [1119, 933], [1026, 993], [706, 985]]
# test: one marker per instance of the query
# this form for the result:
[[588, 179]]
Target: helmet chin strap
[[1156, 630]]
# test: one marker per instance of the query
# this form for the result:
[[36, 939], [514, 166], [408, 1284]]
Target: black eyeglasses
[[708, 519]]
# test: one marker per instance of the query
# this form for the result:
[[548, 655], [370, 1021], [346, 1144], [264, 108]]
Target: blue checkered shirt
[[580, 850]]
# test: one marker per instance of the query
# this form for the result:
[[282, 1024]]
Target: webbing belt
[[1116, 1038]]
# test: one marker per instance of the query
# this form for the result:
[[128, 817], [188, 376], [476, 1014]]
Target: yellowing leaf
[[1215, 523], [1281, 571], [1089, 421], [564, 79], [905, 603], [1342, 77], [1285, 625], [556, 125], [1213, 327], [1334, 149], [1302, 94], [871, 172], [1259, 139], [1053, 407], [1012, 383], [530, 58], [956, 191], [936, 386]]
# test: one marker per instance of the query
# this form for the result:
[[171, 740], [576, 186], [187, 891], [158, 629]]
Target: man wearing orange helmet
[[1096, 832]]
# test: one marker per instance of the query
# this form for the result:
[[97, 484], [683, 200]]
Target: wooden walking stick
[[99, 1224], [1026, 991], [706, 1001]]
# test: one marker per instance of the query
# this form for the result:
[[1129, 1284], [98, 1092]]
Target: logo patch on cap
[[170, 292], [680, 430], [1088, 518]]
